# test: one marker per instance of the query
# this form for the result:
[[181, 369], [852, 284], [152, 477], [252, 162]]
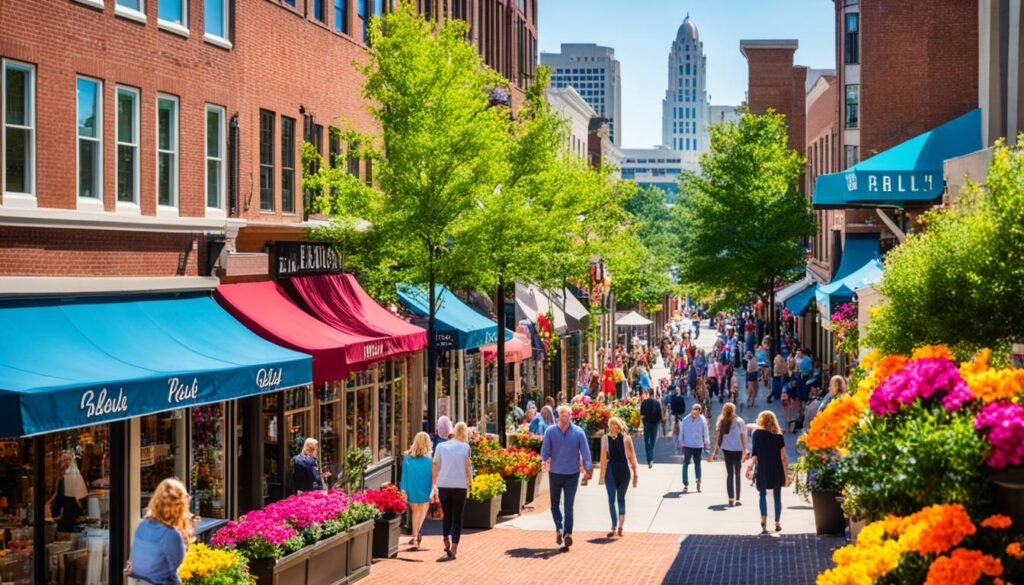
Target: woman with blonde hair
[[617, 458], [452, 480], [158, 547], [416, 478], [768, 458], [732, 440]]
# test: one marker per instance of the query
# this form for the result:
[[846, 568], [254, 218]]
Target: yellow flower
[[202, 561]]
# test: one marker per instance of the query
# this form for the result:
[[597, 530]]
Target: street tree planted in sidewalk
[[742, 223], [439, 153]]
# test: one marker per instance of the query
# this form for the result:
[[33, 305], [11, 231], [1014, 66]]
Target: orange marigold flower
[[963, 567], [997, 522], [1014, 550], [932, 351], [990, 384], [936, 529], [871, 359], [830, 427]]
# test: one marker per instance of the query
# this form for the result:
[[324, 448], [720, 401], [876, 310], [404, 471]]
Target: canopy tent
[[908, 173], [66, 364], [858, 266], [633, 319], [798, 302], [457, 325], [531, 302], [783, 294], [576, 315], [517, 349], [265, 308]]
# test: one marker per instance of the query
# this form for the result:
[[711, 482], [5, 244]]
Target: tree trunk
[[431, 350], [499, 310]]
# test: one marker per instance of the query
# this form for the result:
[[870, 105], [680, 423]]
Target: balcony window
[[852, 106]]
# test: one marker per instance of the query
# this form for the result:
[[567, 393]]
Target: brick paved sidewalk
[[509, 556]]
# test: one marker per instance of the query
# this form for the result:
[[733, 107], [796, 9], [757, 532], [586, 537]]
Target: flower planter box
[[288, 570], [360, 550], [531, 488], [386, 532], [1008, 494], [328, 561], [479, 514], [514, 499], [828, 513]]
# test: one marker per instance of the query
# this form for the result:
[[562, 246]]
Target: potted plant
[[531, 442], [390, 502], [1001, 422], [483, 503], [211, 566], [359, 516], [274, 549], [356, 461], [517, 467], [817, 481]]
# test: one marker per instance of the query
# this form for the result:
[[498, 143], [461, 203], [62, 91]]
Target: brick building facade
[[774, 82]]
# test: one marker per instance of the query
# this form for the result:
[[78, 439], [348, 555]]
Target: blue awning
[[798, 303], [910, 172], [88, 361], [858, 267], [457, 326]]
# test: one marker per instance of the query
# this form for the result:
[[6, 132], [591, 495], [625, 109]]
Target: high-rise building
[[685, 109], [593, 72]]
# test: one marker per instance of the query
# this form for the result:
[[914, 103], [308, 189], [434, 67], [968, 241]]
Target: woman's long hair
[[767, 421], [420, 445], [726, 419], [169, 505]]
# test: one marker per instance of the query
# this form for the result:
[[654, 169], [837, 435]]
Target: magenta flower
[[1002, 423], [926, 378]]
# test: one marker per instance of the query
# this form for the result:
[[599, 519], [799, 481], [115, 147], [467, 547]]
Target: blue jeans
[[763, 502], [567, 482], [650, 439], [616, 493], [689, 453]]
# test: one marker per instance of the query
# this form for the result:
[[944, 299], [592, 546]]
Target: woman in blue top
[[158, 547], [416, 470], [539, 424]]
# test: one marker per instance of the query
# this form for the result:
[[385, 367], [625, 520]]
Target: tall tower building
[[593, 72], [685, 110]]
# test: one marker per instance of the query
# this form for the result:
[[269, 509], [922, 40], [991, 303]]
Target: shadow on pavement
[[795, 559], [718, 507], [533, 553], [601, 540]]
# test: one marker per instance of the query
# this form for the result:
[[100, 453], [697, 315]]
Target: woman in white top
[[732, 440], [452, 478]]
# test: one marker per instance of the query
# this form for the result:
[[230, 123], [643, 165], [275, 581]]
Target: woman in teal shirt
[[416, 482]]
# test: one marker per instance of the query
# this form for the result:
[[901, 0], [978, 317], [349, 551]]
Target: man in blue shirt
[[565, 444]]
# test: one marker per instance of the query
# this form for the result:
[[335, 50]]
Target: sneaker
[[698, 485], [650, 464], [568, 541], [558, 538]]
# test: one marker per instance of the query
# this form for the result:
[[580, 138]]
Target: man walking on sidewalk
[[564, 446], [650, 411], [694, 439]]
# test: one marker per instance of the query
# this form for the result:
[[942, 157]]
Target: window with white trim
[[216, 15], [90, 137], [127, 145], [18, 86], [173, 12], [167, 151], [215, 149], [133, 9]]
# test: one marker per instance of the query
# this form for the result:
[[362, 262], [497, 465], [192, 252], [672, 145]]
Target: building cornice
[[70, 286], [768, 44], [74, 219]]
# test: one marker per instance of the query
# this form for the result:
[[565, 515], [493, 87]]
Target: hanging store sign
[[296, 258]]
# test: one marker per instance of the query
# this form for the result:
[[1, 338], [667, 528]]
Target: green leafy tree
[[642, 268], [440, 152], [960, 281], [741, 220]]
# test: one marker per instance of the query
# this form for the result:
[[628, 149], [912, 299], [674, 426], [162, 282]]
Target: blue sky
[[642, 31]]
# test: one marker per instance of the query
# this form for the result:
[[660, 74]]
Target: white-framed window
[[18, 89], [131, 9], [90, 138], [217, 22], [127, 135], [172, 15], [166, 151], [215, 152]]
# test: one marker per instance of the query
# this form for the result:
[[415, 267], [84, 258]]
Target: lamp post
[[499, 97]]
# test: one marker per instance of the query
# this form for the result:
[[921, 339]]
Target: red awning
[[338, 300], [517, 349], [265, 308]]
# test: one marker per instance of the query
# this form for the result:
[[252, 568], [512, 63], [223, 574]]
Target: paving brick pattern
[[793, 559]]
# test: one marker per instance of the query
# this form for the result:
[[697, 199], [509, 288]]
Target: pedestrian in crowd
[[728, 384], [541, 422], [761, 356], [694, 440], [617, 458], [779, 374], [768, 457], [65, 504], [306, 475], [836, 388], [595, 385], [650, 412], [531, 412], [666, 408], [644, 380], [731, 438], [752, 374], [678, 410], [564, 446], [443, 430], [452, 479], [417, 478], [715, 375], [583, 377], [158, 546]]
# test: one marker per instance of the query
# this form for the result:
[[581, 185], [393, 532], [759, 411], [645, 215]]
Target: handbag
[[434, 510]]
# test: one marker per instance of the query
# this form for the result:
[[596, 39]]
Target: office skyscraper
[[685, 109], [594, 73]]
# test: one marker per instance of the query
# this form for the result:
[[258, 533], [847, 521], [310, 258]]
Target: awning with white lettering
[[906, 174], [456, 325], [67, 364]]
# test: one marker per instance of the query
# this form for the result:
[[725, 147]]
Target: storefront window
[[273, 477], [330, 429], [388, 405], [474, 399], [357, 408], [77, 533], [207, 473], [161, 455], [16, 473], [299, 418]]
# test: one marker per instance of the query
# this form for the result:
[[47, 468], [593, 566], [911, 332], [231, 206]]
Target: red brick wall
[[773, 82], [919, 67], [28, 251]]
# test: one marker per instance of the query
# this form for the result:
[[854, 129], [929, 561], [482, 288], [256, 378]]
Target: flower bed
[[526, 440], [210, 566], [591, 415]]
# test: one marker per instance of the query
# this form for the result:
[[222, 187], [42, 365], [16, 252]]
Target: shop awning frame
[[456, 324], [73, 363], [859, 265]]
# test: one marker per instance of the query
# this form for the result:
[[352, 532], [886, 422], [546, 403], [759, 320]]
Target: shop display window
[[330, 429], [161, 453], [207, 474], [273, 475], [474, 398], [298, 417], [358, 409], [16, 498], [77, 478], [385, 412]]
